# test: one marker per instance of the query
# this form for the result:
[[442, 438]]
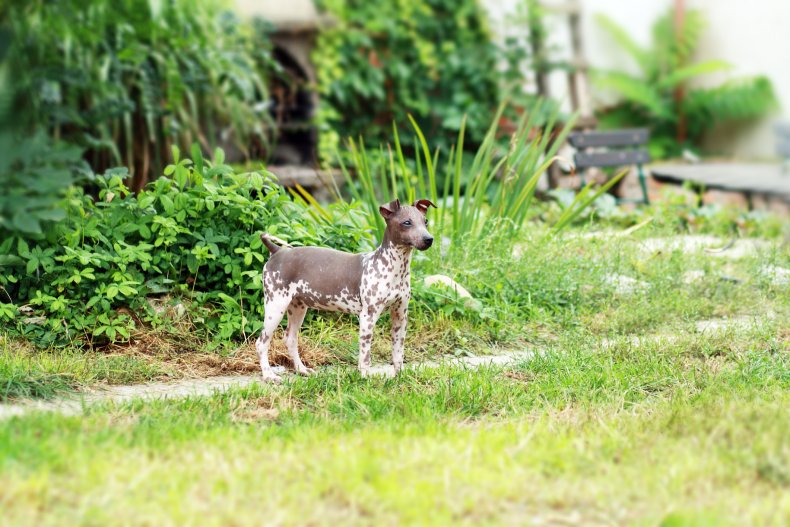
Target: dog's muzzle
[[427, 241]]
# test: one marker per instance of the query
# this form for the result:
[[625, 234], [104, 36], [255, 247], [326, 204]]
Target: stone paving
[[77, 404]]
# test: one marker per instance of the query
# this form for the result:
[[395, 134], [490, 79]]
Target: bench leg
[[643, 184]]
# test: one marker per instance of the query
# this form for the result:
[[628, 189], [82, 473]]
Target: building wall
[[754, 39]]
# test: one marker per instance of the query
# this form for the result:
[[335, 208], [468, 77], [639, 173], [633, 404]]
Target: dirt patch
[[257, 409], [520, 376], [176, 358]]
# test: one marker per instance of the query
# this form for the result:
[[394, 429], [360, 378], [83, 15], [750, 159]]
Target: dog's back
[[323, 278]]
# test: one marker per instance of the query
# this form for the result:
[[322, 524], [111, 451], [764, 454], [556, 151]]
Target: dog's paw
[[305, 371], [271, 377], [378, 371]]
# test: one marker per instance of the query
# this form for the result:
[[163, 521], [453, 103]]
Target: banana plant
[[660, 96]]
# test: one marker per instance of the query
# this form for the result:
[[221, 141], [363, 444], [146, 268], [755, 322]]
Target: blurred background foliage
[[87, 85], [122, 81], [659, 95], [433, 59], [125, 79]]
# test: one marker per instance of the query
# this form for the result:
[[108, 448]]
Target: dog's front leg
[[367, 321], [398, 314]]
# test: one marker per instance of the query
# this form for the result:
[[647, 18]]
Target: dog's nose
[[428, 241]]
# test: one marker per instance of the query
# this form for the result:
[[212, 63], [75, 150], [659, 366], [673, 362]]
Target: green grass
[[29, 373], [628, 436], [627, 414], [556, 288]]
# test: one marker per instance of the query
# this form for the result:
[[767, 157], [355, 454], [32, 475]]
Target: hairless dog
[[298, 278]]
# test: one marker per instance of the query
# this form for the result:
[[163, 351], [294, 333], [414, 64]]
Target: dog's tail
[[269, 239]]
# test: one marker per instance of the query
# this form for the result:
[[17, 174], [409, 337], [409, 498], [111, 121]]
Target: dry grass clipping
[[177, 357]]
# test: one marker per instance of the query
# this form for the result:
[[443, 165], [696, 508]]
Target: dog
[[296, 279]]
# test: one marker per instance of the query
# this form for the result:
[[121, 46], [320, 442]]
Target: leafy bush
[[35, 170], [35, 174], [431, 58], [192, 235], [125, 79], [652, 99]]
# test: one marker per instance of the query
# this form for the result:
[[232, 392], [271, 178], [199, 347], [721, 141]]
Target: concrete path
[[715, 246], [77, 403], [719, 247]]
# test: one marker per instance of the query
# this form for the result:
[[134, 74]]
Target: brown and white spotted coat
[[298, 278]]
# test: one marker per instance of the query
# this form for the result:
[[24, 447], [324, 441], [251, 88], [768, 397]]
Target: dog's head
[[407, 224]]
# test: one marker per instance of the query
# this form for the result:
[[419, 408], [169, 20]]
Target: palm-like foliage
[[650, 98]]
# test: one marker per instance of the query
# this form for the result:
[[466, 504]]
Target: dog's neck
[[399, 255]]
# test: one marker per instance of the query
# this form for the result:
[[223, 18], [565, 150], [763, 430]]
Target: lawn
[[615, 365], [633, 408]]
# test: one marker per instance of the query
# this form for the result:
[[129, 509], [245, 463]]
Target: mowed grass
[[632, 435], [555, 287], [629, 413], [29, 373]]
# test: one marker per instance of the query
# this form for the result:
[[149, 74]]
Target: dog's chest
[[385, 280]]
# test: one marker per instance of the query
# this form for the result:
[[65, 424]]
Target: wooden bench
[[749, 179], [614, 148]]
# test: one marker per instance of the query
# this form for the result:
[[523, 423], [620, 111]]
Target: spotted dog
[[296, 279]]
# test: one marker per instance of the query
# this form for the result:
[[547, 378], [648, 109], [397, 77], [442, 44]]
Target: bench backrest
[[612, 148]]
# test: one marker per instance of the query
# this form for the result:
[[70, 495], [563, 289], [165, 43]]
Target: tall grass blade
[[583, 200], [459, 157], [405, 173]]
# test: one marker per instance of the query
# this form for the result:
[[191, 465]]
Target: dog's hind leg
[[296, 313], [275, 308]]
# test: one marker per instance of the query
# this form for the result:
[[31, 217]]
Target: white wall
[[756, 40], [753, 37]]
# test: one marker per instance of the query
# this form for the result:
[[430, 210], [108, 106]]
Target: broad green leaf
[[53, 214], [636, 91], [22, 248], [167, 204], [8, 260], [25, 222], [701, 68]]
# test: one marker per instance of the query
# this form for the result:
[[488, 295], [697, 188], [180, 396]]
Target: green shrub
[[192, 235], [35, 174], [431, 58], [124, 79]]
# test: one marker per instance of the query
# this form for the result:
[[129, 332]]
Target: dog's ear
[[390, 208], [423, 204]]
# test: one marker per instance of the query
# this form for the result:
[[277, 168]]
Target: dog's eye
[[406, 223], [426, 221]]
